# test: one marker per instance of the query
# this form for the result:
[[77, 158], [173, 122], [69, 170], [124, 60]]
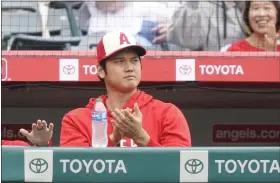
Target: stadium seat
[[25, 19], [20, 20], [69, 6], [89, 42], [27, 42]]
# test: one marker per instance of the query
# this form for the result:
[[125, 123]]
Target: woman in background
[[263, 21]]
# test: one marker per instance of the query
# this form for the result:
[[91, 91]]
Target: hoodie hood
[[140, 97]]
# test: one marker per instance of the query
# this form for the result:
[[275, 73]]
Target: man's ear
[[100, 72]]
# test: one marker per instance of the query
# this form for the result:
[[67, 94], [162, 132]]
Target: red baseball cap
[[116, 41]]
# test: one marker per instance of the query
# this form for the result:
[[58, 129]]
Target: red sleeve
[[243, 46], [234, 47], [14, 143], [71, 134], [110, 143], [278, 47], [175, 130]]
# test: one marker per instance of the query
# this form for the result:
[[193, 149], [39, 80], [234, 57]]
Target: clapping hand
[[40, 134], [271, 37], [130, 124]]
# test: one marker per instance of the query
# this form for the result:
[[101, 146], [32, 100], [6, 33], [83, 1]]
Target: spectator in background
[[138, 18], [205, 25], [40, 135], [263, 21]]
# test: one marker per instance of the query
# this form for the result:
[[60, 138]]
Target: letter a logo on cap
[[123, 39]]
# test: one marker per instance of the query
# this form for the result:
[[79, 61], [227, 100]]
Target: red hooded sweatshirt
[[164, 122], [14, 143]]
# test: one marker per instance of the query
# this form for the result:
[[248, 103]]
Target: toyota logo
[[69, 69], [194, 166], [185, 69], [38, 165]]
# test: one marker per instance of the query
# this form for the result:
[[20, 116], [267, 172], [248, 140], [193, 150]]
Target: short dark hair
[[247, 10]]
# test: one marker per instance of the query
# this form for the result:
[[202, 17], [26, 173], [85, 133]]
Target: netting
[[158, 26], [229, 94]]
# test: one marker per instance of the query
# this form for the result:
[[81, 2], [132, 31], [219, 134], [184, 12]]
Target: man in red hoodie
[[134, 117], [40, 135]]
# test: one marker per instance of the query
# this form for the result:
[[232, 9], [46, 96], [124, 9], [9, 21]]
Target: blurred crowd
[[175, 26]]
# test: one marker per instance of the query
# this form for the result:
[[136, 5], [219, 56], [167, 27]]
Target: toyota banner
[[145, 165]]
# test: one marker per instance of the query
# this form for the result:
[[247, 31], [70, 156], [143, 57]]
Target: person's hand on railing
[[161, 31], [41, 134]]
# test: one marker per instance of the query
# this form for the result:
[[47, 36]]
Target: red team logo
[[123, 39], [4, 73]]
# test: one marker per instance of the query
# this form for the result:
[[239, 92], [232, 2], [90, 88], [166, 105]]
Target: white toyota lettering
[[90, 69], [98, 166], [257, 166], [227, 166], [253, 166], [264, 162], [221, 69], [78, 167]]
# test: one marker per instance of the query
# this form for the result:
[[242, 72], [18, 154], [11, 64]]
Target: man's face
[[123, 71]]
